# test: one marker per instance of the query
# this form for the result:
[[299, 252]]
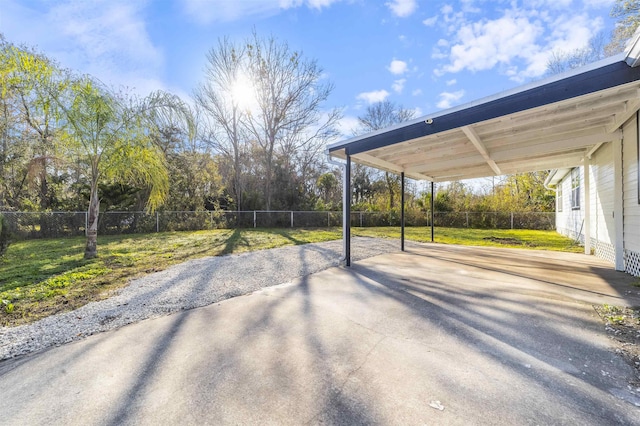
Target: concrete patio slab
[[438, 335]]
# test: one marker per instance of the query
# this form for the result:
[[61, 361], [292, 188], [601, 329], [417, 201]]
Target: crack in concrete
[[349, 376]]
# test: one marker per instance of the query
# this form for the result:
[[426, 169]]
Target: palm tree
[[110, 137]]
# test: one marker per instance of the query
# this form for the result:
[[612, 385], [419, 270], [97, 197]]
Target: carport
[[555, 123]]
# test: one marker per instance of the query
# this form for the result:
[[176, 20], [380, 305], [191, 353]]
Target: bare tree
[[560, 61], [289, 93], [220, 99], [378, 116], [628, 14]]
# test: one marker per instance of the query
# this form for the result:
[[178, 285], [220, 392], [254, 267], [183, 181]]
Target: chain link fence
[[30, 225]]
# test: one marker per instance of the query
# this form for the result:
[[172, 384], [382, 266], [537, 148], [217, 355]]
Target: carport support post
[[432, 204], [402, 211], [587, 206], [346, 212], [618, 205]]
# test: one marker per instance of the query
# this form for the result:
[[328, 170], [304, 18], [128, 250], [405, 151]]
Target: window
[[575, 188], [559, 198]]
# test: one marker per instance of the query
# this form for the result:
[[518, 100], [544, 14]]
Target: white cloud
[[451, 82], [373, 96], [599, 3], [416, 92], [430, 22], [398, 85], [397, 67], [106, 30], [483, 45], [402, 8], [107, 39], [208, 11], [448, 98], [348, 126], [518, 43]]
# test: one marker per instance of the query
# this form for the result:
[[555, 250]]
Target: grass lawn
[[516, 238], [43, 277]]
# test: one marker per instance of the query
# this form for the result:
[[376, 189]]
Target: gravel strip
[[188, 285]]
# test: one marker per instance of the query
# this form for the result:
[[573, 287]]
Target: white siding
[[602, 203], [569, 222], [630, 197]]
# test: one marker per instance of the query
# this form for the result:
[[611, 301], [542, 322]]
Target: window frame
[[559, 197], [576, 185]]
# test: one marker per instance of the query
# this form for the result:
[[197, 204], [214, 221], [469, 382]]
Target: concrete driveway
[[438, 335]]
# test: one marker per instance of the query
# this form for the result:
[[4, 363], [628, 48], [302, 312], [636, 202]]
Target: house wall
[[602, 199], [571, 222], [631, 222]]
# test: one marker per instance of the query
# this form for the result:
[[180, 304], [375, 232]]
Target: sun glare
[[243, 93]]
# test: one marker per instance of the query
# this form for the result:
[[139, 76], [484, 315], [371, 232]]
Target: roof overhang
[[550, 124]]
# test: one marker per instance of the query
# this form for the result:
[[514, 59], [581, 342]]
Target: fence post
[[360, 219], [511, 220], [157, 221], [210, 219], [292, 218], [254, 218], [328, 219], [467, 215], [86, 223]]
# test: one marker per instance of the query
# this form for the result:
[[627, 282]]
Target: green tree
[[41, 81], [109, 135], [523, 192], [329, 188], [13, 148], [4, 235]]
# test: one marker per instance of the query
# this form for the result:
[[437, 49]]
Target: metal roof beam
[[377, 162], [477, 142], [552, 147], [594, 149], [631, 107]]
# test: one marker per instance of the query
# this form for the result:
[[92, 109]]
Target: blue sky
[[423, 54]]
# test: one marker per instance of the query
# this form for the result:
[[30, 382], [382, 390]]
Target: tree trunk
[[91, 249], [389, 181], [269, 172], [236, 180], [268, 186]]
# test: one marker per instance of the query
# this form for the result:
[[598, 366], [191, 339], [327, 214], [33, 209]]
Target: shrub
[[4, 235]]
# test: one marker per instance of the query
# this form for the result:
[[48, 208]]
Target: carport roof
[[550, 124]]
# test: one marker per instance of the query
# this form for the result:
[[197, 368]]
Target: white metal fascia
[[632, 50], [477, 142]]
